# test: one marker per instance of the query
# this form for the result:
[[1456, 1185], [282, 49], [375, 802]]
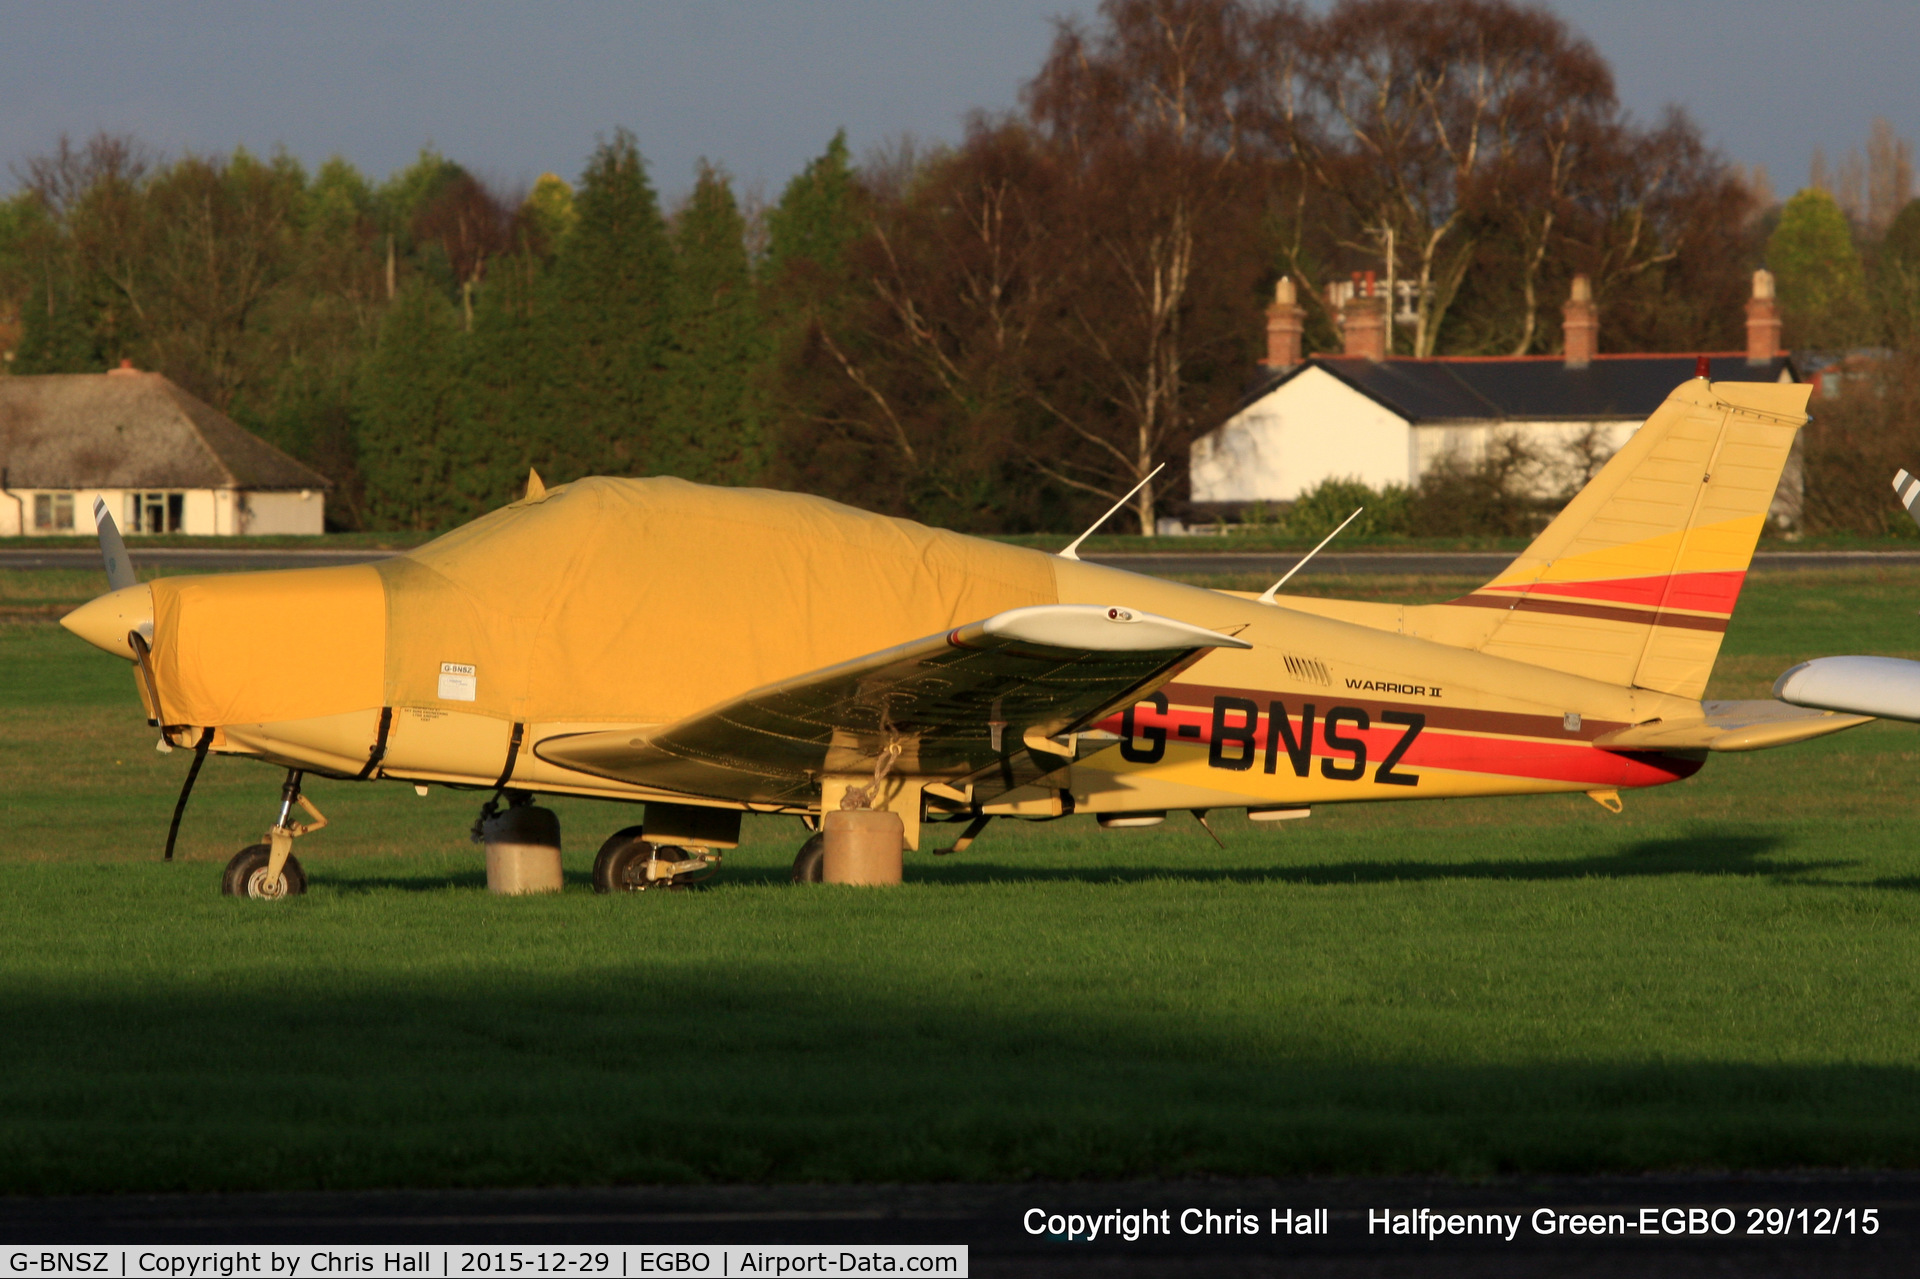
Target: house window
[[156, 512], [53, 512]]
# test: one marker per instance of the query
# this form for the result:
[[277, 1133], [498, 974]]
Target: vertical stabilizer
[[1634, 581]]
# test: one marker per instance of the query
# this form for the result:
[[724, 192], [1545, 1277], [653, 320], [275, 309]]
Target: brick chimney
[[1582, 325], [1366, 320], [1763, 320], [1286, 320]]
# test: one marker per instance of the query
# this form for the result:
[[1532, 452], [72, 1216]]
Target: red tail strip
[[1699, 592]]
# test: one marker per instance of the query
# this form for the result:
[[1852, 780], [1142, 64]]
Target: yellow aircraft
[[711, 651]]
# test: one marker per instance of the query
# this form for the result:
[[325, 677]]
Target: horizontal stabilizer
[[1730, 726], [1888, 687]]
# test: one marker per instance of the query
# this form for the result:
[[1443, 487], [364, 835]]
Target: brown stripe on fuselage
[[1606, 612], [1457, 719]]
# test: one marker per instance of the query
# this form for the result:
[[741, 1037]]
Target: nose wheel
[[269, 871], [250, 874]]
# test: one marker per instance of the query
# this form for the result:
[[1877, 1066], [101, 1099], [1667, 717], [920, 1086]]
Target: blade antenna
[[112, 549], [1909, 490], [1268, 597], [1068, 554]]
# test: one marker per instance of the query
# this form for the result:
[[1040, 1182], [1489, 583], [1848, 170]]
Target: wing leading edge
[[959, 704]]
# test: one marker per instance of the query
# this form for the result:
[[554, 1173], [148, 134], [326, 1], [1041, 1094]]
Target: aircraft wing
[[981, 700]]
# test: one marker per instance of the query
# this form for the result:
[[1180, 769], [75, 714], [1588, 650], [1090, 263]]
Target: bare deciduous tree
[[1423, 111]]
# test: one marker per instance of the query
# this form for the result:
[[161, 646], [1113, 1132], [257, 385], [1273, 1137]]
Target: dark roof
[[131, 430], [1524, 388]]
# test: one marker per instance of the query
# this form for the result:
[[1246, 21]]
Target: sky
[[512, 90]]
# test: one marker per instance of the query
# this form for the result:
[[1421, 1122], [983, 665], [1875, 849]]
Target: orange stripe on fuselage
[[1698, 592]]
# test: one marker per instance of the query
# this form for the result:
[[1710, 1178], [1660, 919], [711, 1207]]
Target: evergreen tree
[[806, 294], [1822, 285], [516, 399], [608, 319], [817, 216], [805, 284], [709, 424], [411, 419], [1897, 277]]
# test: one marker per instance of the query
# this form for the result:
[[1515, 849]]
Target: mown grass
[[1723, 976]]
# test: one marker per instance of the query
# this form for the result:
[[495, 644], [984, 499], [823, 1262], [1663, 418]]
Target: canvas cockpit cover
[[645, 600]]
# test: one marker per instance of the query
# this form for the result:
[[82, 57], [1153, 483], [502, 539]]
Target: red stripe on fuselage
[[1700, 592], [1459, 752]]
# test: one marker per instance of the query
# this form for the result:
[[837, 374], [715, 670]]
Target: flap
[[958, 704], [1730, 726]]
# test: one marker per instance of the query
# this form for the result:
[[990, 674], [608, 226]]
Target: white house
[[164, 461], [1387, 420]]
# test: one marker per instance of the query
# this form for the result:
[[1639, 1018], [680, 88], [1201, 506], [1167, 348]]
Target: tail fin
[[1634, 581]]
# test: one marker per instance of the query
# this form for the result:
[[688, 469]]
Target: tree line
[[1004, 334], [426, 341]]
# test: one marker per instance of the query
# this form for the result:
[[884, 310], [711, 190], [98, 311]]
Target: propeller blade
[[112, 549]]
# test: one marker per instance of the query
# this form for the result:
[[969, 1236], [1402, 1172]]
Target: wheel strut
[[280, 838]]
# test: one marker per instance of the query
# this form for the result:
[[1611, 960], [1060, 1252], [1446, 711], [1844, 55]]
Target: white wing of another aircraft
[[1885, 686]]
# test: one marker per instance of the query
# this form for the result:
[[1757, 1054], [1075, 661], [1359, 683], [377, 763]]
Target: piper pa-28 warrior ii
[[712, 651]]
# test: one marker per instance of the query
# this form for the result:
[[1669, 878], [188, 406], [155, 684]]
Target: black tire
[[810, 863], [246, 875], [620, 865], [616, 857]]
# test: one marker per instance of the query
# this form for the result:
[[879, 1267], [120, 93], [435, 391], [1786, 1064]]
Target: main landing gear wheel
[[810, 862], [621, 864], [246, 876]]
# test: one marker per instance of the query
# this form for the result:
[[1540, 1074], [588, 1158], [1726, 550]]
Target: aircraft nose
[[105, 621]]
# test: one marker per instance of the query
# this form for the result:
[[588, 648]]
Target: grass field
[[1724, 976]]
